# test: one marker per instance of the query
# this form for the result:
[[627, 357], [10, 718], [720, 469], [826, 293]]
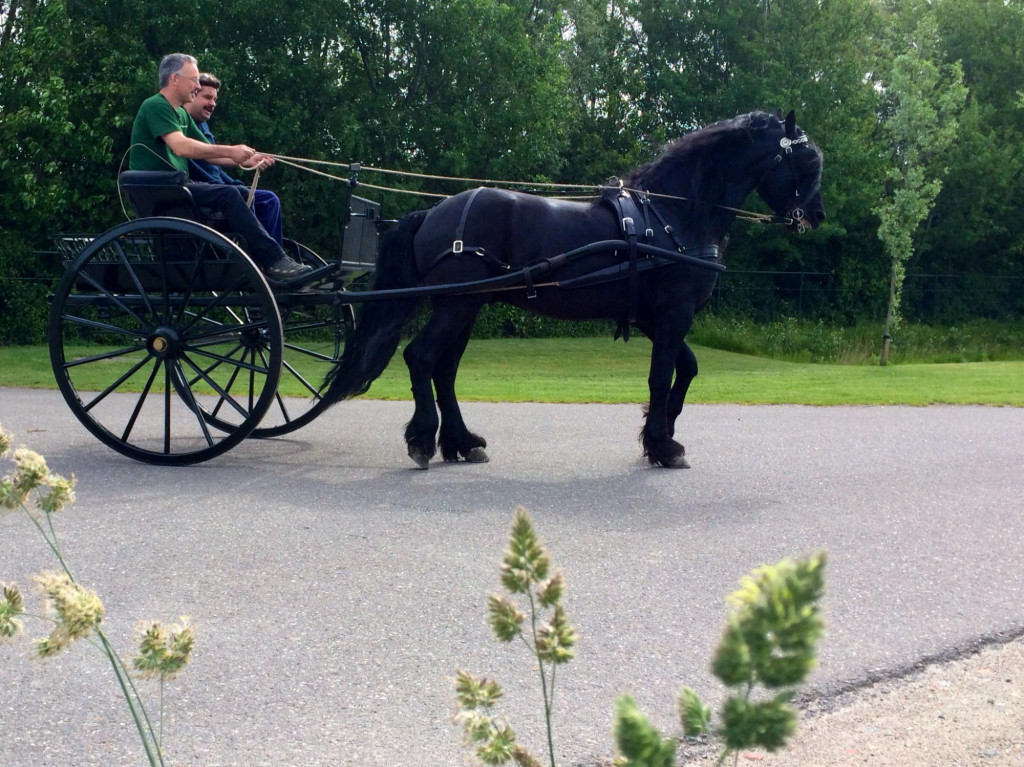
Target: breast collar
[[638, 216]]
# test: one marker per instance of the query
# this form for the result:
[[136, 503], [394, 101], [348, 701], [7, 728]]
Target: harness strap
[[633, 287], [646, 202], [458, 245], [531, 291]]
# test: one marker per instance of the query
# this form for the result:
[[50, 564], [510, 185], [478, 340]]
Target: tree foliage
[[567, 90]]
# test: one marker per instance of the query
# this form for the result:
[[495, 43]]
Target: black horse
[[695, 188]]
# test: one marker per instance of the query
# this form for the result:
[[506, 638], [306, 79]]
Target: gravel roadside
[[957, 714]]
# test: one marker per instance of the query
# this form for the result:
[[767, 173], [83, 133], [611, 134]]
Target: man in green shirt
[[165, 137]]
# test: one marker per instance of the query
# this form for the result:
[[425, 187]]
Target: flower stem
[[155, 759], [543, 680]]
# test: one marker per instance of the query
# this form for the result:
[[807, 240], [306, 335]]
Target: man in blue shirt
[[266, 204]]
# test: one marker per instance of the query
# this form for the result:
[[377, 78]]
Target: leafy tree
[[923, 101]]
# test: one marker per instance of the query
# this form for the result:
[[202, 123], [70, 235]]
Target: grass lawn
[[598, 370]]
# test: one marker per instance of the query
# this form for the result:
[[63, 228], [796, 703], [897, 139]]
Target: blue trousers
[[230, 201], [267, 208]]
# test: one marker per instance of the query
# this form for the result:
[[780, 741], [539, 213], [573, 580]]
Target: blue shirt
[[207, 172]]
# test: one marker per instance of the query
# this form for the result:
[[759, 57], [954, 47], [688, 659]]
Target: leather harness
[[630, 208]]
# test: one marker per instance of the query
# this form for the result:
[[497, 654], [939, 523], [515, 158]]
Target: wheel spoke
[[310, 325], [231, 382], [277, 394], [104, 356], [117, 301], [233, 329], [167, 409], [134, 277], [199, 251], [219, 301], [311, 353], [101, 326], [252, 378], [190, 400], [299, 377], [217, 364], [217, 388], [158, 249], [203, 353], [102, 395], [142, 399]]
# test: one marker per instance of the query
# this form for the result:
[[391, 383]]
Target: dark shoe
[[286, 269]]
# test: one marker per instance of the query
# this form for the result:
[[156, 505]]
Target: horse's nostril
[[819, 215]]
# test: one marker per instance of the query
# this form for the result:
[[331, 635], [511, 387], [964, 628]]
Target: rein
[[302, 163]]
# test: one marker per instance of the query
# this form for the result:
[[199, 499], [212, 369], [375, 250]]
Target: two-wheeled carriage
[[171, 346]]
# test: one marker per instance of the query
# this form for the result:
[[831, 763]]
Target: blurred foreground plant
[[526, 572], [77, 612], [770, 641]]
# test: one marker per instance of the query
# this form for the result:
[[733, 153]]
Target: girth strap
[[458, 245]]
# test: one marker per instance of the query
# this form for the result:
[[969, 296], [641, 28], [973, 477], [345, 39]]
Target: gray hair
[[171, 64]]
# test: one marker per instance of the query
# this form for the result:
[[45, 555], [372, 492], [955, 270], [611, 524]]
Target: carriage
[[170, 345]]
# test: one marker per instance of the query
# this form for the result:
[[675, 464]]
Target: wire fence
[[927, 298], [767, 295]]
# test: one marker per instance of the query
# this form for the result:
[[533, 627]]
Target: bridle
[[795, 215]]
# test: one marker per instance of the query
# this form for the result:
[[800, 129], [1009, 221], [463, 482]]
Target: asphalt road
[[336, 590]]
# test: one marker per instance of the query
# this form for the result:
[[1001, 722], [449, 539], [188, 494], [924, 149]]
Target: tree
[[924, 100]]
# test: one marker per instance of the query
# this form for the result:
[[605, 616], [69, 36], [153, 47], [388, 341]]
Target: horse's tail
[[379, 324]]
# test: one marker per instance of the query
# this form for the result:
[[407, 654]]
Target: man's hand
[[258, 160], [240, 154]]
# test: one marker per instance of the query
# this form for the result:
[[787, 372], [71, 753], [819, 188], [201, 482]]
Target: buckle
[[457, 246]]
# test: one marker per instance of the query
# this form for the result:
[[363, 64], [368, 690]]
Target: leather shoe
[[286, 269]]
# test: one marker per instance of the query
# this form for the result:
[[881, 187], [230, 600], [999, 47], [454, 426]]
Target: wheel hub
[[164, 342]]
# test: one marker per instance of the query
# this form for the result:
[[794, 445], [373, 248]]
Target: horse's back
[[512, 228]]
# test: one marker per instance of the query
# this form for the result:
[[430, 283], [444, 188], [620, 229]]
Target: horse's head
[[791, 181]]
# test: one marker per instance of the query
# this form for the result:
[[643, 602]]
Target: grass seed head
[[79, 611], [551, 591], [6, 438], [505, 618], [11, 606], [526, 562], [60, 494], [556, 639], [164, 651], [32, 470]]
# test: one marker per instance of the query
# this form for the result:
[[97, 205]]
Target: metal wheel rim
[[162, 293]]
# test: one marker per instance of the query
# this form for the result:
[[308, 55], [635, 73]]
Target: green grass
[[598, 370]]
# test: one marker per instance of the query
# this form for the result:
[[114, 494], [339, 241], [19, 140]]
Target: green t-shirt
[[157, 118]]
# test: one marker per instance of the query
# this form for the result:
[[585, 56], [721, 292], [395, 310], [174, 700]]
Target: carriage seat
[[165, 193]]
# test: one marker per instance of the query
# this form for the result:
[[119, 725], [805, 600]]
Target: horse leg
[[656, 435], [686, 371], [455, 439], [447, 321]]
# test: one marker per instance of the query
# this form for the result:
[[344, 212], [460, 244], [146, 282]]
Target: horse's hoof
[[676, 462], [422, 460], [476, 455]]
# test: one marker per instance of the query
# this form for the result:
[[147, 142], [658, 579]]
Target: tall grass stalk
[[40, 494]]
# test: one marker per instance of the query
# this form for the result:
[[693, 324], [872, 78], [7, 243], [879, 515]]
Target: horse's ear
[[791, 124], [778, 115]]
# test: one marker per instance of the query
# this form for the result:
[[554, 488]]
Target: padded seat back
[[159, 193]]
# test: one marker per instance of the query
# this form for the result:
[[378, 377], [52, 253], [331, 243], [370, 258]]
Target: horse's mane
[[687, 158]]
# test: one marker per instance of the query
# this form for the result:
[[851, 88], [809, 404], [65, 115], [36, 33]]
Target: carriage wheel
[[314, 338], [151, 334]]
